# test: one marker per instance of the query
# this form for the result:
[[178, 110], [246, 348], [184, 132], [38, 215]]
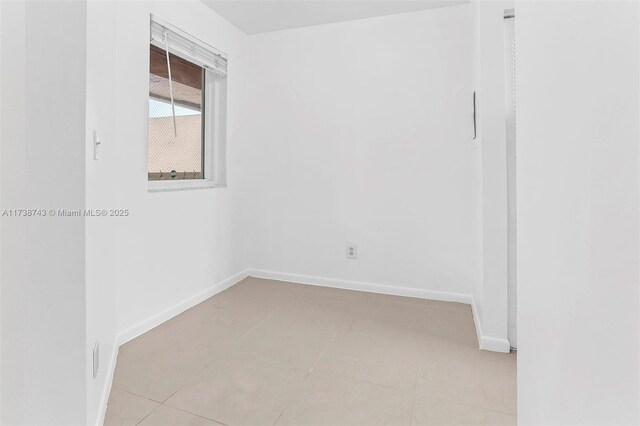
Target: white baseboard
[[484, 342], [362, 286], [106, 390], [495, 344], [488, 343], [157, 319]]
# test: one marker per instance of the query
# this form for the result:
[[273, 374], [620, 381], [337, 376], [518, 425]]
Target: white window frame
[[214, 119]]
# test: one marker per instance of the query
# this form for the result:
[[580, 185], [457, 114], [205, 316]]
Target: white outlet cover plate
[[352, 251]]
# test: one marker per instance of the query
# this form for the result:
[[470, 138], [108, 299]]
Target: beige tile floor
[[269, 352]]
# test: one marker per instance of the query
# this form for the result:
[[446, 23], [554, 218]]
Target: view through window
[[176, 129]]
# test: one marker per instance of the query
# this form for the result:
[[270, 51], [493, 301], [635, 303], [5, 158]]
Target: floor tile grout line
[[415, 387], [239, 339], [194, 414], [258, 324], [135, 394], [413, 408], [342, 376], [170, 396], [216, 359], [278, 418], [306, 376], [308, 373], [440, 398], [142, 419], [323, 352], [179, 409], [138, 395]]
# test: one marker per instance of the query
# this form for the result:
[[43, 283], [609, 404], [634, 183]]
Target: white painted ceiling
[[255, 16]]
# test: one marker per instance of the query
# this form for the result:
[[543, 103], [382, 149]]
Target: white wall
[[361, 131], [43, 262], [578, 296], [12, 193], [490, 293], [55, 176], [175, 244], [101, 193], [1, 204], [476, 291]]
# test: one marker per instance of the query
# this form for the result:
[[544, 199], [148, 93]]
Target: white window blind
[[182, 44]]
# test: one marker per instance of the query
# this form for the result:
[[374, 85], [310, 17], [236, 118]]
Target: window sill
[[181, 185]]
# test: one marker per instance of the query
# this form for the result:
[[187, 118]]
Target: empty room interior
[[322, 212]]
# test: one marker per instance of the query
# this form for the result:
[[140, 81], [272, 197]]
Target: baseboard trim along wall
[[487, 343], [362, 286], [157, 319], [106, 391]]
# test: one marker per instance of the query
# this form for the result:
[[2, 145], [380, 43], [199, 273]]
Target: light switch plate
[[96, 145]]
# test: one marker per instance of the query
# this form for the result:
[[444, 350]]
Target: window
[[187, 111]]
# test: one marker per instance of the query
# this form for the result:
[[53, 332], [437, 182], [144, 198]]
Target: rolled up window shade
[[187, 46]]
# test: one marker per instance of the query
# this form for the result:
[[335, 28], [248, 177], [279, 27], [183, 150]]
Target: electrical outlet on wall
[[352, 251]]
